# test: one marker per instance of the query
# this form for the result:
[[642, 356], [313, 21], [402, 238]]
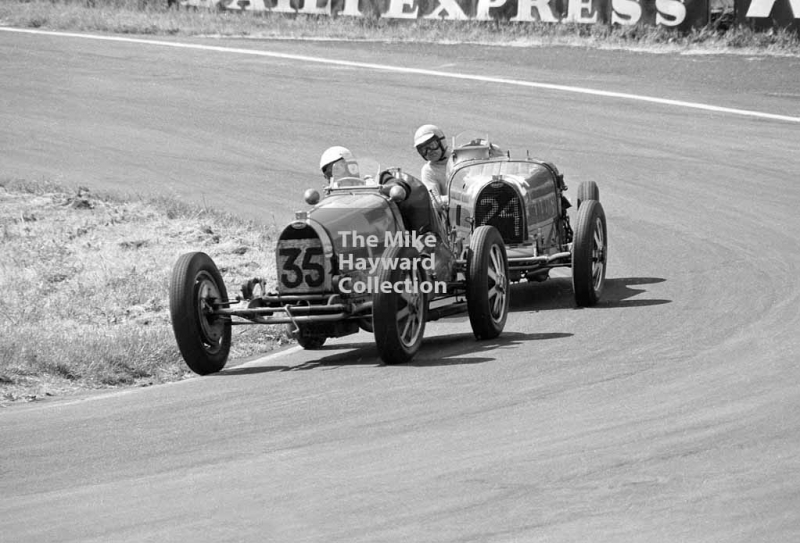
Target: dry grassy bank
[[85, 286]]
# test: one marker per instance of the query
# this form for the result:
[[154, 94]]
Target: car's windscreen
[[355, 174]]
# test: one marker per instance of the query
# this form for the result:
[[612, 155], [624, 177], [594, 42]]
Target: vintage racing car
[[371, 253], [523, 198], [506, 221]]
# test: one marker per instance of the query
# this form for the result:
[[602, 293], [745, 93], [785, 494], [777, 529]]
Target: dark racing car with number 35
[[378, 254]]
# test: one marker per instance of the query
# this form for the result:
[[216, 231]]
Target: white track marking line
[[419, 71], [266, 358], [58, 403]]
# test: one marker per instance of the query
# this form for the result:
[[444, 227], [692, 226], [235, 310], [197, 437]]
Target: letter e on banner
[[397, 9], [525, 13], [577, 9]]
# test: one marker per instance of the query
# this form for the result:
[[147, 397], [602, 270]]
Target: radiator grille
[[499, 205], [300, 261]]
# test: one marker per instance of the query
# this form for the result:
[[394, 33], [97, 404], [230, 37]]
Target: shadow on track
[[557, 293], [449, 350], [446, 350], [618, 291]]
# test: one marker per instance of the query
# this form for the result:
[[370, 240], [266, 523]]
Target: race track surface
[[670, 412]]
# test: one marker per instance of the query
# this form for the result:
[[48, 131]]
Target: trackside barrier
[[680, 14]]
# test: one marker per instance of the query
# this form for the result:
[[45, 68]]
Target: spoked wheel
[[306, 337], [196, 292], [589, 254], [399, 315], [487, 283]]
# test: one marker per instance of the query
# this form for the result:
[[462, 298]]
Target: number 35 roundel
[[301, 265]]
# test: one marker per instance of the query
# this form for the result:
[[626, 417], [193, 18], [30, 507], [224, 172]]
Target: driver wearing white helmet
[[337, 163], [430, 143]]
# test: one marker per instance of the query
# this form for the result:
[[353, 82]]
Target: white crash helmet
[[330, 161], [426, 133]]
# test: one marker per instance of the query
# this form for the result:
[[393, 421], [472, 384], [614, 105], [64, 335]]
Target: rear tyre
[[196, 292], [587, 190], [589, 254], [398, 318], [487, 283]]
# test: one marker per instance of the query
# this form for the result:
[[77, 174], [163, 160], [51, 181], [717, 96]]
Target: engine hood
[[527, 177], [515, 196], [349, 219]]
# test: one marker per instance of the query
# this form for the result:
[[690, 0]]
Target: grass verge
[[85, 281]]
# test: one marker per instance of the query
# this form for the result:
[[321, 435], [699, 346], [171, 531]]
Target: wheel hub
[[502, 282], [211, 325]]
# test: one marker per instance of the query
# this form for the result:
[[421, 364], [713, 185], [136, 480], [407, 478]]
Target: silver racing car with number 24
[[524, 200]]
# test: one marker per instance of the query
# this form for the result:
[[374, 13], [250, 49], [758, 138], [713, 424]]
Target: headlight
[[311, 197]]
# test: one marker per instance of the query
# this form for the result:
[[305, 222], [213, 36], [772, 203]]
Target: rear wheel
[[589, 254], [399, 317], [587, 190], [487, 283], [196, 292]]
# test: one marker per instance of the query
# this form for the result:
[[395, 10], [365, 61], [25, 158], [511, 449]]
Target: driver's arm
[[439, 200]]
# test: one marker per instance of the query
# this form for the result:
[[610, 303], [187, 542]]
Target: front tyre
[[589, 254], [487, 283], [196, 292], [398, 316]]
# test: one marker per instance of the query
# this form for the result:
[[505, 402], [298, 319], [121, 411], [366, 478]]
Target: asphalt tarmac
[[669, 412]]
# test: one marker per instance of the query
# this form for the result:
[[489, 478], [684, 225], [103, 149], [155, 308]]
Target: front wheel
[[487, 283], [589, 254], [196, 292], [399, 314]]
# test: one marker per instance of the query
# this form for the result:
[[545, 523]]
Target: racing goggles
[[328, 172], [431, 145], [340, 169]]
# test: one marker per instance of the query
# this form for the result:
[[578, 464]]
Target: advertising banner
[[682, 14], [763, 14]]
